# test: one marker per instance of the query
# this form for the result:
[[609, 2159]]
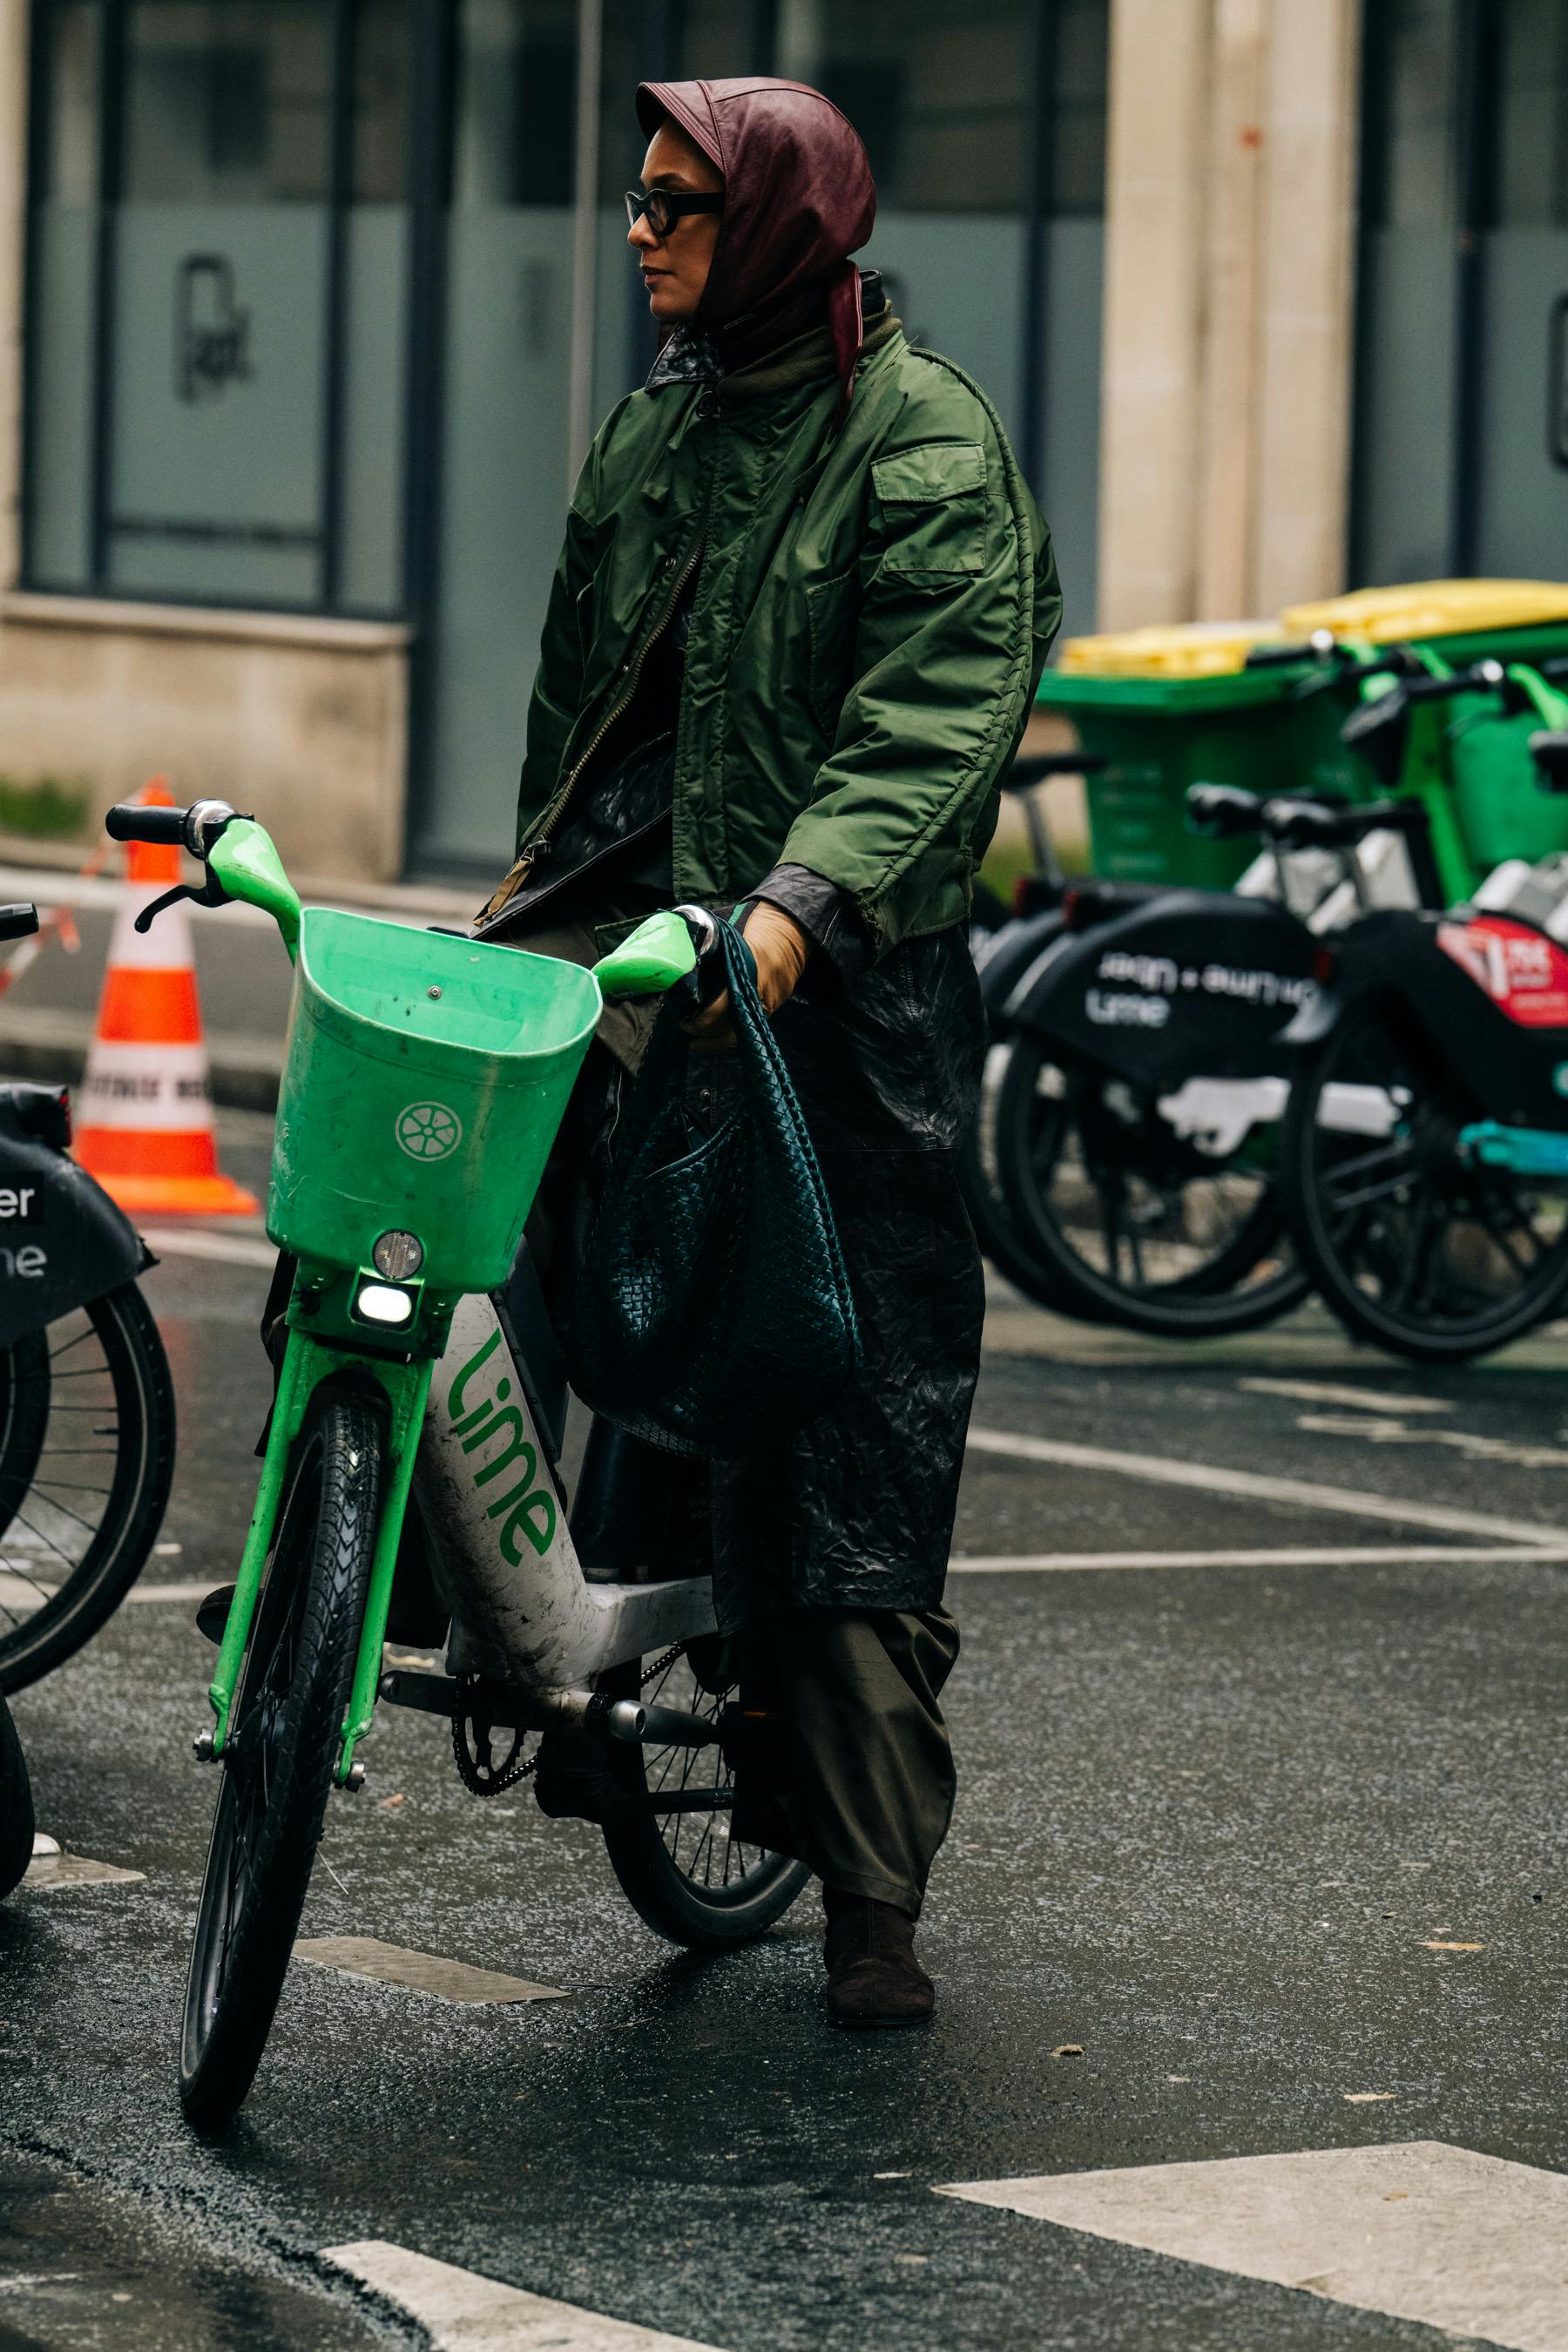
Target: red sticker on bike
[[1524, 973]]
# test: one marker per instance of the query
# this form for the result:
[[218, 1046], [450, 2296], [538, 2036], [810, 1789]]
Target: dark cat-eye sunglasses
[[662, 207]]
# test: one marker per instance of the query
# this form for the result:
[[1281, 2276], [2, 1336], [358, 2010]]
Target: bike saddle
[[1037, 767], [1087, 903], [18, 920], [1223, 811], [1326, 824]]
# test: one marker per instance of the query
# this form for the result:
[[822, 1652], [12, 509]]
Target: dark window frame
[[328, 603]]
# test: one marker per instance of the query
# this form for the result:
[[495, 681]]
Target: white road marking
[[1459, 1440], [20, 1592], [1304, 1556], [1336, 1392], [465, 2313], [367, 1955], [52, 1867], [229, 1249], [1416, 2230], [1251, 1486]]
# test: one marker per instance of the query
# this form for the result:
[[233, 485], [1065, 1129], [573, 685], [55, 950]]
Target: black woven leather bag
[[714, 1314]]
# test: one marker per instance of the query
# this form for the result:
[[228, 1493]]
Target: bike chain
[[477, 1772]]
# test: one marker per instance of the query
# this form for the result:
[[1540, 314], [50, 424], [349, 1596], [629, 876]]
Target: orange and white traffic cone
[[146, 1130]]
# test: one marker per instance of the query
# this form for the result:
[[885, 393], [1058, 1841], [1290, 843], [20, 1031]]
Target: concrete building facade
[[308, 309]]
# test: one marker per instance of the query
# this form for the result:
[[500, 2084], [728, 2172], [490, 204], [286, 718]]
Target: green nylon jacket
[[873, 609]]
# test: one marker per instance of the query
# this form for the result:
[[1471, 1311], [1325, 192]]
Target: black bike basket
[[713, 1313]]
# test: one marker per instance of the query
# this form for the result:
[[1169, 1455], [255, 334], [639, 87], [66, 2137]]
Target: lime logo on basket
[[428, 1130]]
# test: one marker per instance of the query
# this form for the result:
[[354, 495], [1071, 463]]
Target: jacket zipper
[[533, 850]]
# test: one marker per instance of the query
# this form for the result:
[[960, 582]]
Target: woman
[[797, 623]]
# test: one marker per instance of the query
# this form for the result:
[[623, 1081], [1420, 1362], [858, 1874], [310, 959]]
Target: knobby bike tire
[[139, 1488], [665, 1865], [1326, 1242], [1207, 1306], [287, 1727]]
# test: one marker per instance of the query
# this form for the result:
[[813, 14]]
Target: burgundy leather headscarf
[[798, 201]]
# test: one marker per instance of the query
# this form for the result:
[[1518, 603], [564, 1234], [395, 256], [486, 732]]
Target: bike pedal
[[573, 1782]]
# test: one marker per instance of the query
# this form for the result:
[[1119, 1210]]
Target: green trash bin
[[1171, 706], [1160, 730], [424, 1081]]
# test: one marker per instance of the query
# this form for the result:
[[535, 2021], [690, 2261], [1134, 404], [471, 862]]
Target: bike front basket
[[423, 1082]]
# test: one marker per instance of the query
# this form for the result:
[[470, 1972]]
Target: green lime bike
[[415, 1441]]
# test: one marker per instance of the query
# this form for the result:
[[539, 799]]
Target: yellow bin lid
[[1432, 608], [1180, 649]]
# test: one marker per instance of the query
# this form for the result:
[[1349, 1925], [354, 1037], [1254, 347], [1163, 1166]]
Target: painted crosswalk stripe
[[465, 2312], [393, 1964], [1337, 1392], [52, 1867], [1299, 1556], [1416, 2230], [1254, 1487]]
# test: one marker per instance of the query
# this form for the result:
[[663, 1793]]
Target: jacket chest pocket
[[832, 607], [932, 502]]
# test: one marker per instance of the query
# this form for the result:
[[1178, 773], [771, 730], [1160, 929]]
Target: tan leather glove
[[781, 950]]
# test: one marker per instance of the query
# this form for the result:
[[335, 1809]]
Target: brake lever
[[211, 894]]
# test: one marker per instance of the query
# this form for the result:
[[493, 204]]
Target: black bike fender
[[1191, 979], [63, 1242]]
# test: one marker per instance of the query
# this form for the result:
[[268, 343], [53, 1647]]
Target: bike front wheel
[[285, 1730], [87, 1454], [1138, 1225], [683, 1874], [1419, 1250]]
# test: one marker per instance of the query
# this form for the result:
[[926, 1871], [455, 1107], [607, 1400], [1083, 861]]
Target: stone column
[[1307, 357], [1155, 231], [1229, 299], [14, 16]]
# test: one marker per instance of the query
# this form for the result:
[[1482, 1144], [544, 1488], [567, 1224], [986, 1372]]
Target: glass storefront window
[[237, 382], [1462, 417], [64, 284], [1401, 506]]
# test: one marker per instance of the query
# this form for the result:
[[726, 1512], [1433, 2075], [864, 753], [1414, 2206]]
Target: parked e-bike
[[87, 1406], [1005, 943], [1137, 1122], [1425, 1151], [413, 1456]]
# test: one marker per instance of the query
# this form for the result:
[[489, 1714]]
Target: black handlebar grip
[[130, 821]]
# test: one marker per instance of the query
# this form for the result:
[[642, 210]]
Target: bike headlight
[[379, 1302], [398, 1254]]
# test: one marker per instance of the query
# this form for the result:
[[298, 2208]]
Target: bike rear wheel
[[980, 1182], [1424, 1253], [1138, 1226], [286, 1728], [682, 1872], [87, 1454]]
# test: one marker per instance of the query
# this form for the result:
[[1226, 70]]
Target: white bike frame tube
[[523, 1610]]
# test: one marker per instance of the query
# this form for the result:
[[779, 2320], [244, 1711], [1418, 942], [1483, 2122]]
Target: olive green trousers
[[859, 1774]]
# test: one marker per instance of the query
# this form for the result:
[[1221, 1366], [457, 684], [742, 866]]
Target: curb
[[243, 1071]]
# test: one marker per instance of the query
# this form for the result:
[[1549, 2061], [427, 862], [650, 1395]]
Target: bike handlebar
[[131, 822]]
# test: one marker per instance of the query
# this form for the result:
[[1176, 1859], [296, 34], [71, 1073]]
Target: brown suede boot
[[873, 1976]]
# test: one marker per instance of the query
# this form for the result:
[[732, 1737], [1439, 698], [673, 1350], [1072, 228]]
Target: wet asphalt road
[[1209, 1820]]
